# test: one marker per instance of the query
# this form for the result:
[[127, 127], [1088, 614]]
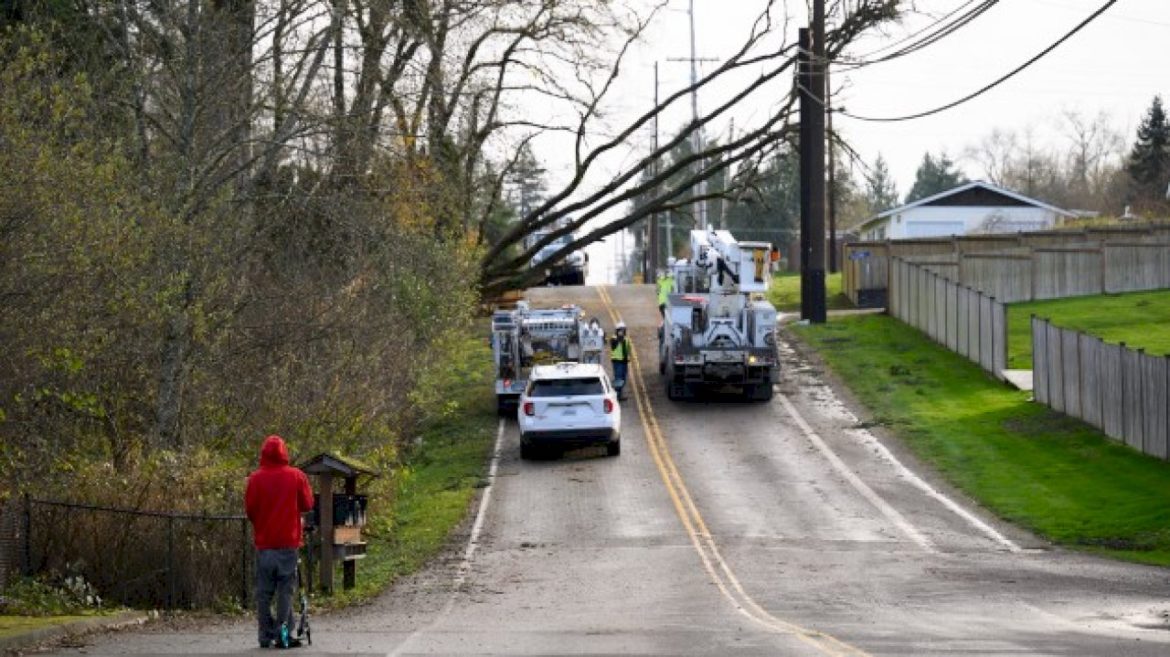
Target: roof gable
[[976, 193], [979, 197]]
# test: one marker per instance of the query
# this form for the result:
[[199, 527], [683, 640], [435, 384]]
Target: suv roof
[[566, 371]]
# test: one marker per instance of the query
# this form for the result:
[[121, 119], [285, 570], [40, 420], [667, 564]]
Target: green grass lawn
[[13, 625], [1051, 474], [785, 292], [1139, 319]]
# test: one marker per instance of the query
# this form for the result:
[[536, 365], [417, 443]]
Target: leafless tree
[[1096, 149], [661, 187]]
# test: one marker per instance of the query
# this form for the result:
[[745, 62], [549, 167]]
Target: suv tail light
[[530, 409], [607, 403]]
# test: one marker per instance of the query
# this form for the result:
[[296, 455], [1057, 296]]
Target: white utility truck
[[719, 328], [523, 337]]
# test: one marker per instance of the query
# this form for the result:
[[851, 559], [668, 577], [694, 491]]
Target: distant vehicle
[[523, 337], [569, 405], [568, 270]]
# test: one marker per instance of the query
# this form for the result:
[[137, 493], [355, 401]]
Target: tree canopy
[[1148, 165], [881, 193], [935, 174]]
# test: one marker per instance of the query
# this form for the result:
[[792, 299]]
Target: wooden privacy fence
[[1022, 267], [1123, 392], [967, 322]]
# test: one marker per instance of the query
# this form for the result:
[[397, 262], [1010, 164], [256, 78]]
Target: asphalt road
[[728, 528]]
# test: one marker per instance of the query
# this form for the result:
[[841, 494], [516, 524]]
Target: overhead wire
[[913, 35], [989, 86], [942, 32]]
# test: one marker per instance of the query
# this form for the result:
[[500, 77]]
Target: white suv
[[569, 404]]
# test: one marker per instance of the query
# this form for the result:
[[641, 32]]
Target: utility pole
[[700, 210], [812, 168], [700, 206], [651, 274], [833, 265], [722, 223]]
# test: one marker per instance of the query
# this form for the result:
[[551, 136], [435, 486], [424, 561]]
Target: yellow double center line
[[717, 568]]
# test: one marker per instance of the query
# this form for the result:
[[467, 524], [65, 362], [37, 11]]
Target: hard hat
[[620, 326]]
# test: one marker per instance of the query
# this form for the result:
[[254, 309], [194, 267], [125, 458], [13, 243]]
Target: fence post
[[1034, 263], [26, 557], [170, 562], [244, 564], [1124, 414], [1166, 408]]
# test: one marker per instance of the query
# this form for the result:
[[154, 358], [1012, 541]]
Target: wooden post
[[27, 564], [325, 513], [244, 563], [349, 566]]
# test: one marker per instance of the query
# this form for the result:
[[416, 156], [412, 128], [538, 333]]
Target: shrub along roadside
[[431, 493], [413, 507], [1139, 319], [1039, 469]]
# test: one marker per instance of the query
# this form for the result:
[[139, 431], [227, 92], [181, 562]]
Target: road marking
[[477, 526], [468, 552], [954, 507], [918, 482], [860, 486], [704, 543]]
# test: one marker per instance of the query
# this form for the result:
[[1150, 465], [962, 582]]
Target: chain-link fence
[[145, 559], [9, 541]]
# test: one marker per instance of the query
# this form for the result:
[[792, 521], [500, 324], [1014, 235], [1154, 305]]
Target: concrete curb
[[56, 633]]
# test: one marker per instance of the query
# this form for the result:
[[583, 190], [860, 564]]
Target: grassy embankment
[[1139, 319], [13, 625], [1048, 473], [433, 490], [785, 292]]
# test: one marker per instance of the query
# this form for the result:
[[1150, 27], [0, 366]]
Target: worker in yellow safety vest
[[619, 357], [665, 287]]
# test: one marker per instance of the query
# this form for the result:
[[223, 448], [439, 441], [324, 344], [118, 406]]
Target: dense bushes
[[297, 306]]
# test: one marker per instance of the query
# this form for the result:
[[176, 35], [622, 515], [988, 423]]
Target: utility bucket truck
[[718, 327], [523, 337]]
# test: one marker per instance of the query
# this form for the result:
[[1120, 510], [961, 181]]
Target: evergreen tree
[[881, 193], [769, 211], [1149, 161], [935, 175], [529, 187]]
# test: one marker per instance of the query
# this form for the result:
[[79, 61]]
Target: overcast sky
[[1117, 64]]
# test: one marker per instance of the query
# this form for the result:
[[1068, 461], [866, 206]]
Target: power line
[[912, 35], [930, 39], [992, 85]]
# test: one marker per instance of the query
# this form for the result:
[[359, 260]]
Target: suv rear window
[[566, 387]]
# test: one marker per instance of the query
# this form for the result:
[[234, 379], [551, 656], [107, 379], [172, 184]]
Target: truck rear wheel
[[759, 392], [504, 408]]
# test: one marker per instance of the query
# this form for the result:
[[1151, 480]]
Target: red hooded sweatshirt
[[276, 495]]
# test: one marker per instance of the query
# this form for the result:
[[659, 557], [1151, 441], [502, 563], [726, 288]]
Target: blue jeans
[[620, 368], [276, 575]]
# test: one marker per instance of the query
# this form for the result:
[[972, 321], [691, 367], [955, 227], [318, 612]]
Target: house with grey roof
[[972, 208]]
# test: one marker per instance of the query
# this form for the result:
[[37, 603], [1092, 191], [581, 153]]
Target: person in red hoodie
[[276, 495]]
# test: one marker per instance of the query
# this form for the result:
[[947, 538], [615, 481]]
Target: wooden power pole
[[812, 167]]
